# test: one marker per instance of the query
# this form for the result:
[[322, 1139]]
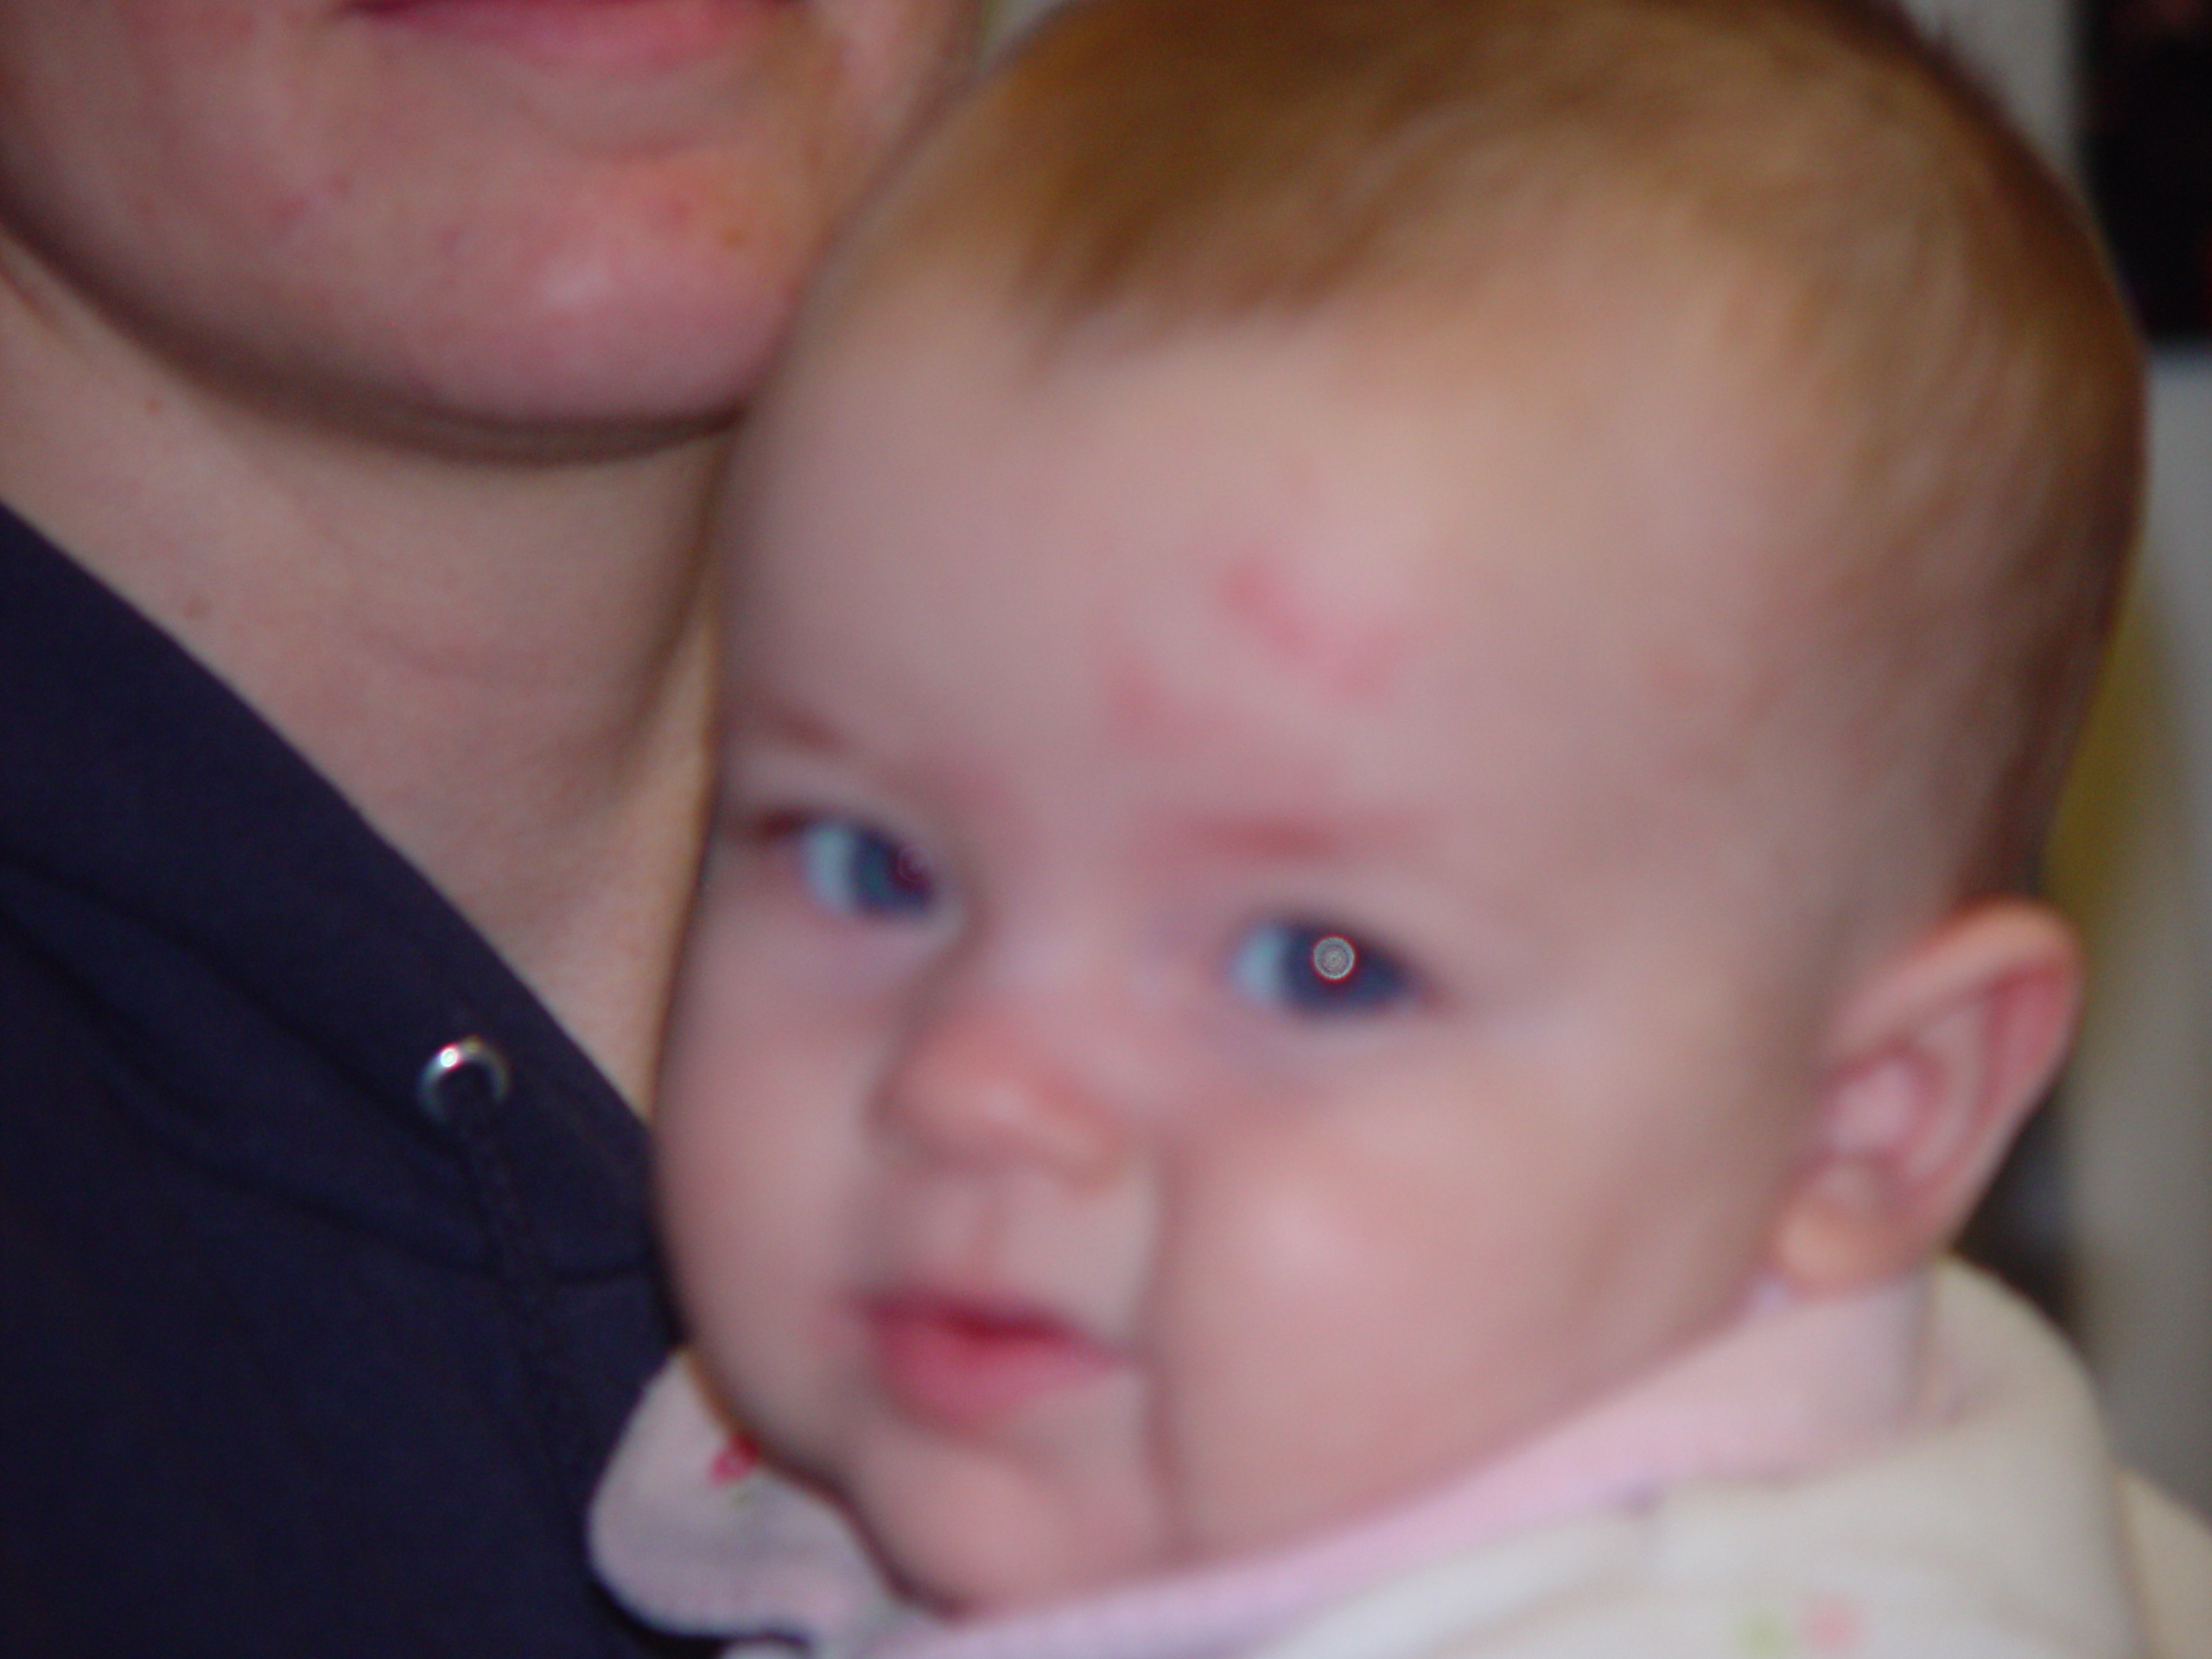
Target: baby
[[1397, 662]]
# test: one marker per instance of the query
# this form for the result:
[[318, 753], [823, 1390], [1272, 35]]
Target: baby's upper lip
[[967, 1359], [986, 1310]]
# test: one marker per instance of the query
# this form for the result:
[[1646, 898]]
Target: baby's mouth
[[966, 1362]]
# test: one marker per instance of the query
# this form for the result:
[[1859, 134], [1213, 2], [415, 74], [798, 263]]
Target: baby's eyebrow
[[1286, 837], [759, 716]]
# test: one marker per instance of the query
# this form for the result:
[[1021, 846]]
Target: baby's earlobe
[[1936, 1058]]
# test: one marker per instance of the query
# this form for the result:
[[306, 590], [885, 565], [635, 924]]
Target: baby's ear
[[1932, 1063]]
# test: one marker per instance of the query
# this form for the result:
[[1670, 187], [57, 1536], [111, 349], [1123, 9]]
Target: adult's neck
[[502, 658]]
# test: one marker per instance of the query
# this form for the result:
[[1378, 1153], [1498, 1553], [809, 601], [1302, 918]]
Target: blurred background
[[2104, 1213]]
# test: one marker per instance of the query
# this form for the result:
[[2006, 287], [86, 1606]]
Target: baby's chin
[[993, 1537]]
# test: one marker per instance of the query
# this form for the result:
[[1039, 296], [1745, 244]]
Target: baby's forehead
[[1576, 508], [1598, 434]]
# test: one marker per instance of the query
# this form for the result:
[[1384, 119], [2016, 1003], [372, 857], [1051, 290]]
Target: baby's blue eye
[[852, 870], [1306, 968]]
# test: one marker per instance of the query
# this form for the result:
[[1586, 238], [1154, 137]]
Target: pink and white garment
[[1915, 1472]]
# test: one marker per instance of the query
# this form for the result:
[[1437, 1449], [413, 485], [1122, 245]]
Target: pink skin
[[572, 218], [1323, 642], [1032, 1222], [1342, 656]]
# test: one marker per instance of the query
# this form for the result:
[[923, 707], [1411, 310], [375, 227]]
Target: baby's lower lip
[[966, 1364], [616, 34]]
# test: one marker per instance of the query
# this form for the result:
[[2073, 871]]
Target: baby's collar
[[694, 1536]]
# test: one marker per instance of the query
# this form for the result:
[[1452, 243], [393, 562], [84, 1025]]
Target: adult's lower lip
[[967, 1364], [621, 35]]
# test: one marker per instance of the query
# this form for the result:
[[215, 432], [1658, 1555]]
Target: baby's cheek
[[751, 1202], [752, 1169], [1270, 1287]]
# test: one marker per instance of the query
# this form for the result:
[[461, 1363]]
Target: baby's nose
[[981, 1085]]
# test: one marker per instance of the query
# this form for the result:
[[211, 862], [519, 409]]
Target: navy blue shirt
[[308, 1344]]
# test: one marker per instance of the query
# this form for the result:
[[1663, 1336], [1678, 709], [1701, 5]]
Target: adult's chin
[[617, 343], [634, 245], [475, 216]]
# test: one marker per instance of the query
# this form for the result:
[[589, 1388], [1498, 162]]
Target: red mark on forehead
[[1141, 710], [1345, 658]]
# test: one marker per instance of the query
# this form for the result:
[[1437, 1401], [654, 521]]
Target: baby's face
[[1234, 979]]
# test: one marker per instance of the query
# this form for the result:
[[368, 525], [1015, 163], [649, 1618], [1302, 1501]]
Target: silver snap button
[[469, 1054]]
